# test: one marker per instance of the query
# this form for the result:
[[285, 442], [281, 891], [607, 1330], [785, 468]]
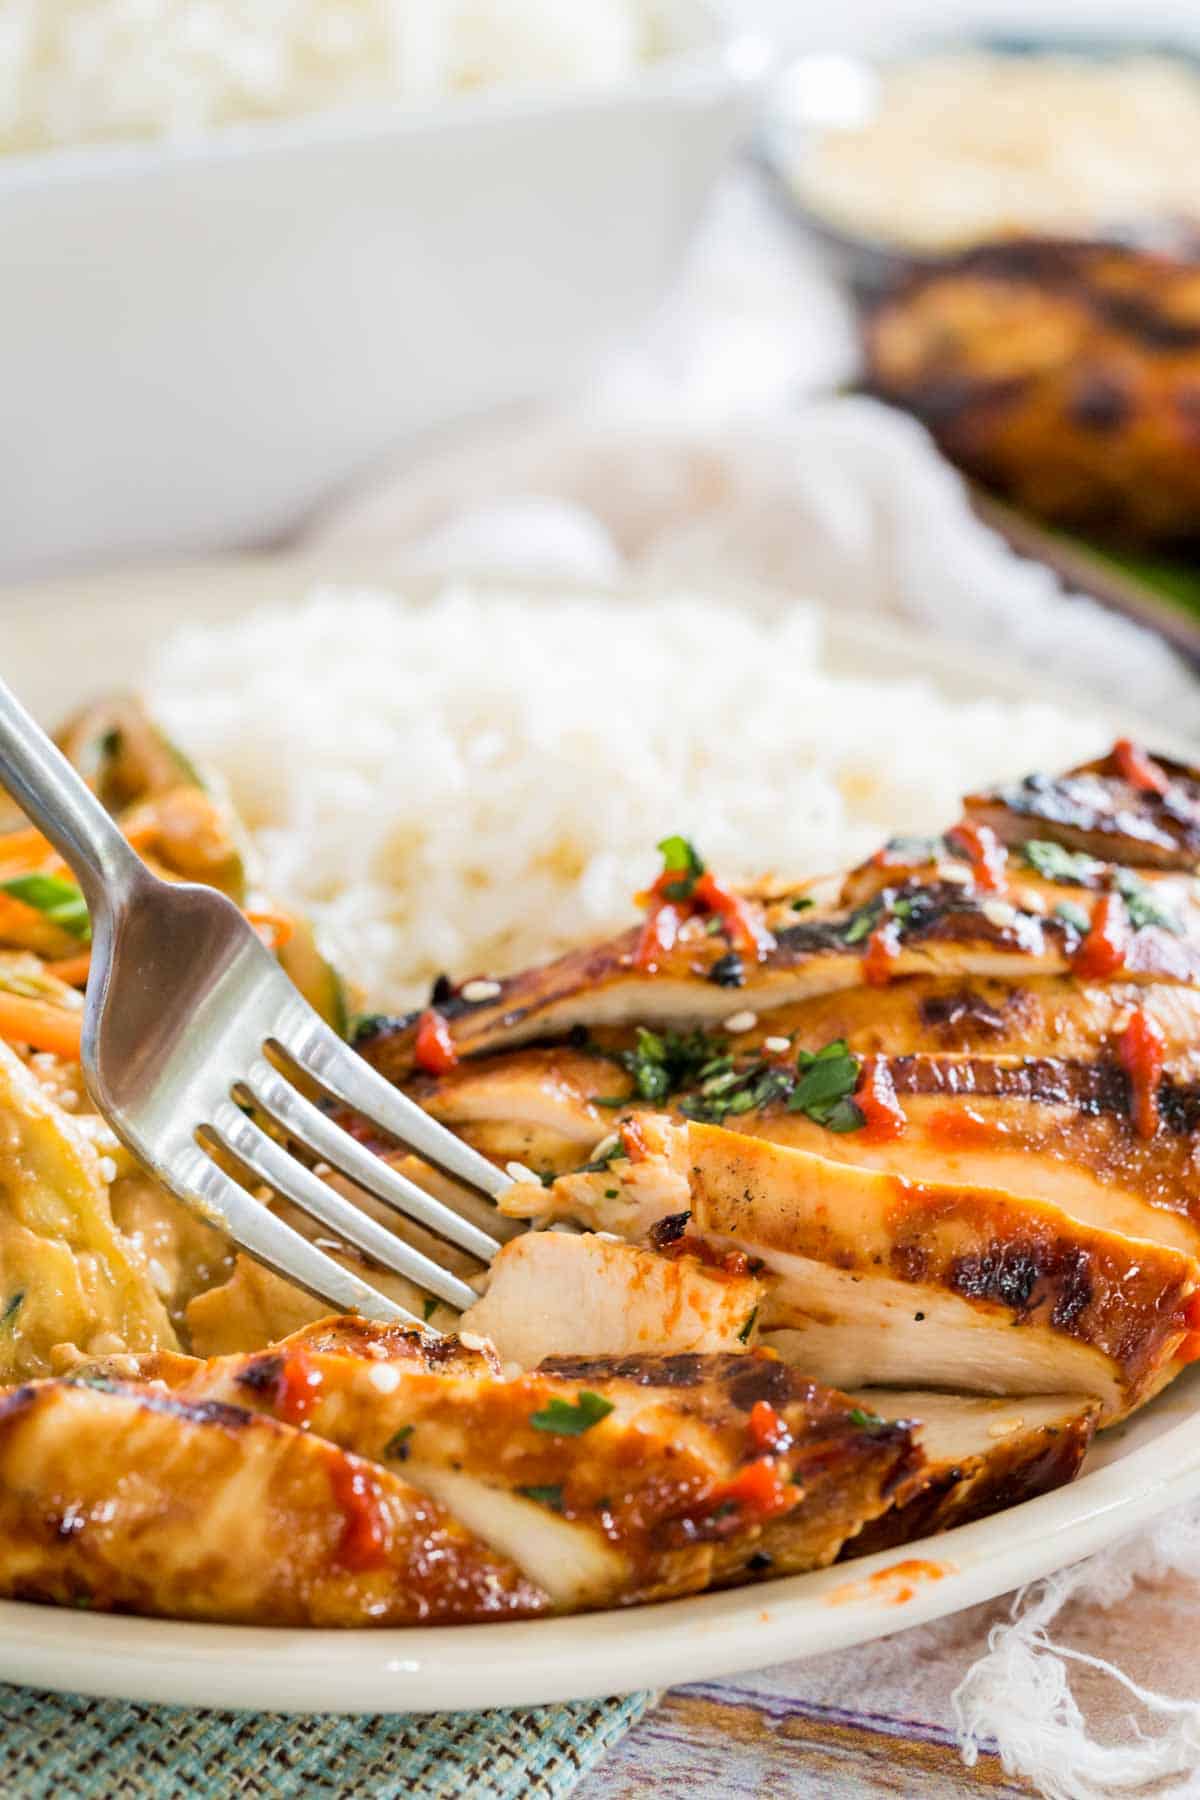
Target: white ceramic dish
[[1136, 1471], [199, 341]]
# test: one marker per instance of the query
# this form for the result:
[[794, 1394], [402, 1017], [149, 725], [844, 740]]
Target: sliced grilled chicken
[[1139, 810], [1060, 1127], [956, 934], [981, 1456], [132, 1499], [606, 1481], [1098, 1313], [1060, 372], [552, 1293], [889, 1277]]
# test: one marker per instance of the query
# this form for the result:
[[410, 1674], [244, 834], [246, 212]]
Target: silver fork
[[189, 1018]]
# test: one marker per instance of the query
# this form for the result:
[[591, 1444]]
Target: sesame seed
[[777, 1045], [741, 1021], [469, 1341], [999, 913], [384, 1377], [518, 1172], [479, 990], [605, 1145]]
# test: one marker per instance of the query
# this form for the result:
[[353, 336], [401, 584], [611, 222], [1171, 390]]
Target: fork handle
[[48, 789]]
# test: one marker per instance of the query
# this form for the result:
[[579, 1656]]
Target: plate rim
[[420, 1669]]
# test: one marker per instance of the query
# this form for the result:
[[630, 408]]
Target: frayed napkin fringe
[[1018, 1699]]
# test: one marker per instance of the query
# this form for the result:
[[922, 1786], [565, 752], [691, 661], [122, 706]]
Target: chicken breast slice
[[981, 1456], [133, 1499], [607, 1480], [554, 1293]]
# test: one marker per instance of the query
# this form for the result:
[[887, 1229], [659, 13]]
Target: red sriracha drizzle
[[759, 1491], [985, 853], [684, 889], [1102, 951], [768, 1431], [364, 1541], [1189, 1347], [434, 1048], [299, 1388], [875, 1098], [1143, 1051], [1140, 770], [883, 947]]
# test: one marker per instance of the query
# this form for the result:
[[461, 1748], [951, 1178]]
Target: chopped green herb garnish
[[366, 1024], [545, 1496], [611, 1193], [397, 1445], [866, 1421], [615, 1152], [662, 1062], [862, 923], [748, 1327], [8, 1316], [429, 1308], [681, 860], [1071, 868], [1141, 904], [847, 1115], [60, 901], [827, 1079], [802, 903], [567, 1418], [1073, 915], [728, 1090]]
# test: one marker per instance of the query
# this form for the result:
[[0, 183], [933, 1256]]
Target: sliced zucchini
[[316, 977]]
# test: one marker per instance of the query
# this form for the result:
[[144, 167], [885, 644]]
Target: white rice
[[76, 71], [474, 783]]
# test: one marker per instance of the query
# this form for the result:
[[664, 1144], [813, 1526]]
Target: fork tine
[[198, 1181], [318, 1050], [309, 1125], [271, 1163]]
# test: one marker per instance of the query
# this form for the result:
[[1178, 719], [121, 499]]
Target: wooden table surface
[[731, 1740], [876, 1720], [879, 1720]]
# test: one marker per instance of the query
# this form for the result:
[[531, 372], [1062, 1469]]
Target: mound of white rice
[[473, 783], [75, 71]]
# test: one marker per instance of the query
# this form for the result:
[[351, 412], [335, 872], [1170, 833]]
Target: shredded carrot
[[40, 1025], [71, 969], [281, 925], [24, 847], [141, 835]]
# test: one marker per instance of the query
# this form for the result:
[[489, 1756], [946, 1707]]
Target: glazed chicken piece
[[980, 1457], [605, 1481], [882, 1278], [129, 1498], [1062, 375], [550, 1293], [1108, 808], [956, 1093]]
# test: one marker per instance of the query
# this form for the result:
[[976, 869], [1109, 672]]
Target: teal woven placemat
[[65, 1747]]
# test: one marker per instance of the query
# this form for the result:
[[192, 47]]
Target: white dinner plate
[[60, 642]]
